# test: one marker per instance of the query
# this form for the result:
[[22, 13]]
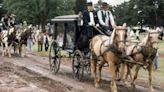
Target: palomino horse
[[144, 53], [107, 50], [7, 39]]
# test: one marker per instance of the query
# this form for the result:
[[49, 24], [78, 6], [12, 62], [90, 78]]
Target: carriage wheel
[[88, 68], [54, 57], [78, 65]]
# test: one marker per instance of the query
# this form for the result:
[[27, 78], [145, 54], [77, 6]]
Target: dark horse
[[23, 41]]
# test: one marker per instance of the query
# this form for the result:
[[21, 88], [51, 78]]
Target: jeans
[[29, 44], [156, 62]]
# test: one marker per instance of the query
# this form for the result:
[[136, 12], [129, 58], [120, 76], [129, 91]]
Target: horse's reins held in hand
[[98, 29]]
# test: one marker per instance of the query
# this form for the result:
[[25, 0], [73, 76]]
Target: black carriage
[[66, 33]]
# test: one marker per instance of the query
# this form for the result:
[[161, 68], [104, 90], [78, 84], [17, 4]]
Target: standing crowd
[[9, 21]]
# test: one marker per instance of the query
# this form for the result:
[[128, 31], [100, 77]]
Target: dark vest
[[103, 18]]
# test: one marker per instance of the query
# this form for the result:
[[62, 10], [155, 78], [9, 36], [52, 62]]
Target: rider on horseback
[[5, 22]]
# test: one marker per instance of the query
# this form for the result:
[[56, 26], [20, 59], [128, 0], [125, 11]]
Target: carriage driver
[[90, 19], [106, 20]]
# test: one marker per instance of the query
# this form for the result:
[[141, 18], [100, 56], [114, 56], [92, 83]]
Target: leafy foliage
[[147, 12], [38, 11]]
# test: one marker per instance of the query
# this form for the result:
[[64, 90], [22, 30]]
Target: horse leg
[[9, 50], [135, 76], [150, 77], [94, 73], [128, 73], [99, 73], [20, 49], [6, 48], [112, 71], [38, 47], [124, 74], [3, 49], [23, 54]]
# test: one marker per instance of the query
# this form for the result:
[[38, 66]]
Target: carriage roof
[[65, 18]]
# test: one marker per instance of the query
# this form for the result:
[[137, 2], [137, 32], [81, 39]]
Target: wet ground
[[20, 79], [31, 74]]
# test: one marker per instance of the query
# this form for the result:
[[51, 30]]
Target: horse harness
[[145, 52]]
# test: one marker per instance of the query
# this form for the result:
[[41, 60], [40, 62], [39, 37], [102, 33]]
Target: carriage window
[[60, 34], [70, 34], [66, 36]]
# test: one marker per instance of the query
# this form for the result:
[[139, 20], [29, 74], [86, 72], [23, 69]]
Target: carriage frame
[[80, 64]]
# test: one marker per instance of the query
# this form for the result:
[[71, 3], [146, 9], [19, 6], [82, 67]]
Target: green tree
[[147, 12], [38, 11], [80, 5]]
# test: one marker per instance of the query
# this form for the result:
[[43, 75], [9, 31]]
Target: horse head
[[153, 40], [118, 36]]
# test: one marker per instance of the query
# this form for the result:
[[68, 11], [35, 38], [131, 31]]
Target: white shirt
[[108, 16], [91, 18], [44, 41]]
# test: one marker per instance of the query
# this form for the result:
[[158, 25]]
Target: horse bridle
[[121, 40], [154, 33]]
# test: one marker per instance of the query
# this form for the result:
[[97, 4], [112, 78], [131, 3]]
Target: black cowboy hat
[[104, 4], [89, 4]]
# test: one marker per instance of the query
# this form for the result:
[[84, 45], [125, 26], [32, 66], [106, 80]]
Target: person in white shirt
[[106, 20]]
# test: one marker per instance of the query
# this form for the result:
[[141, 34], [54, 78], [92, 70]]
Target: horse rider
[[12, 20], [106, 20], [90, 19], [6, 22]]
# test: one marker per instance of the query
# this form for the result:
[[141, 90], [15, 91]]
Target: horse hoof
[[133, 85], [152, 89], [97, 85], [115, 90], [127, 84], [22, 56]]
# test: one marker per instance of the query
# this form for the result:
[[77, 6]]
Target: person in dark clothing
[[5, 21], [46, 41], [12, 20], [90, 19]]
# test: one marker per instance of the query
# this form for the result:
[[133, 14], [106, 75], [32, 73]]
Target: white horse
[[7, 38]]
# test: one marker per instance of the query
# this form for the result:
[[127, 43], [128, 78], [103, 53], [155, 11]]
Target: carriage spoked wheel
[[54, 57], [78, 65], [88, 67]]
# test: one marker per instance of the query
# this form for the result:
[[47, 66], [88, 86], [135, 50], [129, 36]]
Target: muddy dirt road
[[19, 79], [31, 74]]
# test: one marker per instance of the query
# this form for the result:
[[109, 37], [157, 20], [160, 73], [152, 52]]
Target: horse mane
[[145, 40], [112, 36]]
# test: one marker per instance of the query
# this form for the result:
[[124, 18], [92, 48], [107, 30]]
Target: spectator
[[46, 41], [156, 61]]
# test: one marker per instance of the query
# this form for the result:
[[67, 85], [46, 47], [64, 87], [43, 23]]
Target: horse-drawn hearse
[[66, 32], [115, 50]]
